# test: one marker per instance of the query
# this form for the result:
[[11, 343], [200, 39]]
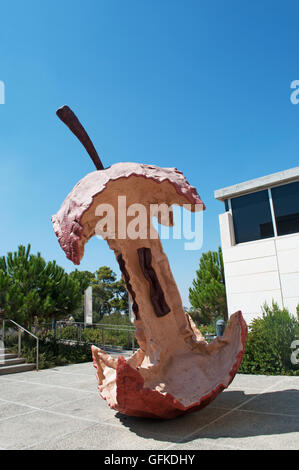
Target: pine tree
[[109, 295], [208, 296], [32, 289]]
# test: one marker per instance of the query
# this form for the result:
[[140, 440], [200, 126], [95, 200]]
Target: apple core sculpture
[[175, 370]]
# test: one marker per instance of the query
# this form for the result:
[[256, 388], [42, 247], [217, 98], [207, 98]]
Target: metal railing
[[80, 327], [20, 329], [74, 332]]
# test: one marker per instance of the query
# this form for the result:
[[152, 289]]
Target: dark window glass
[[226, 205], [252, 217], [286, 207]]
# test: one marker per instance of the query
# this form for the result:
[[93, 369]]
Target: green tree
[[109, 294], [208, 296], [119, 303], [31, 288], [85, 278]]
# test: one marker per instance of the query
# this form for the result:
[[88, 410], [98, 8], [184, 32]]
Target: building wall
[[259, 271]]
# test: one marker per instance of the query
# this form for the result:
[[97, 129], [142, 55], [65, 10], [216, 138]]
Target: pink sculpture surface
[[175, 370]]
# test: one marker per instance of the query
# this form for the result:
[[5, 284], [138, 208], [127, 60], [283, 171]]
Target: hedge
[[268, 348]]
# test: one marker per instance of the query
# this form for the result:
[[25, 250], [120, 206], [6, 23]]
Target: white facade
[[262, 270]]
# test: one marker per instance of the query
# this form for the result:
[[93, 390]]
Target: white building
[[260, 242]]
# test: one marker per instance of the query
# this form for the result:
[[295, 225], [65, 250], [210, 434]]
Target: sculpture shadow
[[233, 414]]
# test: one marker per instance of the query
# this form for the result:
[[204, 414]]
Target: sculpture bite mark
[[156, 293], [126, 277], [175, 370]]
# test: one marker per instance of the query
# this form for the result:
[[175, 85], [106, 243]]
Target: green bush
[[207, 329], [91, 335], [115, 318], [71, 344], [54, 353], [268, 345]]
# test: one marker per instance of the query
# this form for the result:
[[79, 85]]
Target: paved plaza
[[60, 408]]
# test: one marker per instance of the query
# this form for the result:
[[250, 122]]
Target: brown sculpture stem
[[70, 119]]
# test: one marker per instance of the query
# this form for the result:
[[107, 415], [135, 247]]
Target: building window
[[252, 217], [286, 208], [226, 205]]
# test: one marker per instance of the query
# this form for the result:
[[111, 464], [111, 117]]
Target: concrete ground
[[60, 409]]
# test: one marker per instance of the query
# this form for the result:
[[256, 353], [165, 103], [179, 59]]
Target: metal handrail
[[102, 326], [20, 329], [97, 325], [80, 326]]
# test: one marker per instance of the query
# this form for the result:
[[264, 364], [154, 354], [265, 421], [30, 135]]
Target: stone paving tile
[[102, 437], [173, 430], [61, 409], [49, 375], [260, 382], [283, 402], [53, 378], [286, 383], [27, 430], [92, 407], [89, 385], [86, 368], [8, 410], [204, 444], [245, 430], [232, 397], [40, 396]]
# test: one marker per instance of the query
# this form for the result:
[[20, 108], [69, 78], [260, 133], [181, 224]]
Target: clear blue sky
[[200, 85]]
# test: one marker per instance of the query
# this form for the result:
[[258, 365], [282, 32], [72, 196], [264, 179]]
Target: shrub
[[113, 336], [54, 353], [207, 329], [268, 345], [72, 343]]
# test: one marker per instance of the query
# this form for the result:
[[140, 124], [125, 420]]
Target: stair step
[[16, 368], [5, 356], [12, 362]]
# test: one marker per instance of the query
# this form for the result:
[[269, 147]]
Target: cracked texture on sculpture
[[175, 370]]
